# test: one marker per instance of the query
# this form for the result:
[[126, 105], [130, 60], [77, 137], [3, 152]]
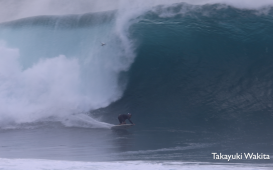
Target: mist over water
[[53, 68]]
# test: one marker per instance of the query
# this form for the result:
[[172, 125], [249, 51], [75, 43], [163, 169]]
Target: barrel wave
[[201, 67], [184, 66]]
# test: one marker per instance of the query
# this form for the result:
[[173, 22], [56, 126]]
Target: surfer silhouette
[[123, 117]]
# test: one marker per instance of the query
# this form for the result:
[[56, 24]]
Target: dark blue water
[[194, 70], [207, 74]]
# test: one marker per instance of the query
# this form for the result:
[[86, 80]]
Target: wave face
[[208, 66]]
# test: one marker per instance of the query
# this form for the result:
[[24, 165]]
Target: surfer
[[123, 117]]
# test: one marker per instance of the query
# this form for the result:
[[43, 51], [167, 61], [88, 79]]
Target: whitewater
[[195, 74]]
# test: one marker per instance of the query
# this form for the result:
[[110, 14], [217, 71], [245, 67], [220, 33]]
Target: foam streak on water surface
[[32, 164]]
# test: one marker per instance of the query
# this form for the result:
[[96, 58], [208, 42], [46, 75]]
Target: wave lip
[[13, 10]]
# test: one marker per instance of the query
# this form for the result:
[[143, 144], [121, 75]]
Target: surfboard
[[124, 126]]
